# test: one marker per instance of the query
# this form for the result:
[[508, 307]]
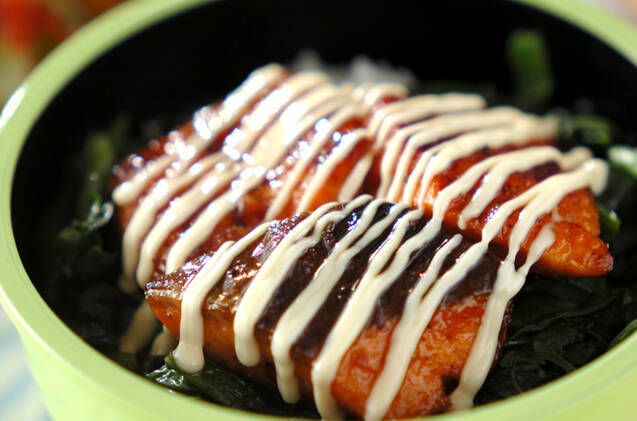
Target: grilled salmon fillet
[[442, 348], [394, 302], [288, 142]]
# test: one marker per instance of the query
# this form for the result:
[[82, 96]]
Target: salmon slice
[[265, 167], [207, 128], [577, 251], [292, 142], [442, 348]]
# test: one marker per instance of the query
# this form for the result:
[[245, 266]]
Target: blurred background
[[29, 30]]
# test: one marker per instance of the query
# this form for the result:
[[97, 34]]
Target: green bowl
[[148, 58]]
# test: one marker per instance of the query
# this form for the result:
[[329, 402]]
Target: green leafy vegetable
[[173, 379], [609, 221], [93, 166], [627, 331], [624, 157], [81, 259], [227, 388], [530, 68], [587, 129], [557, 326]]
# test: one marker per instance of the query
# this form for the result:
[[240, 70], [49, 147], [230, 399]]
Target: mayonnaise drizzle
[[438, 158], [323, 108], [295, 243], [415, 318], [337, 155], [537, 201], [298, 315], [225, 170], [385, 266], [189, 354], [144, 216], [508, 283], [402, 146], [232, 108], [325, 129], [271, 148], [418, 108], [140, 330], [442, 128]]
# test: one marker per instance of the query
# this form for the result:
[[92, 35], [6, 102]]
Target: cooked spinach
[[609, 221], [225, 387], [556, 327], [624, 157], [80, 268], [530, 69], [627, 331], [587, 129]]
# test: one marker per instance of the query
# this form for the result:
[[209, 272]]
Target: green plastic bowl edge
[[51, 342]]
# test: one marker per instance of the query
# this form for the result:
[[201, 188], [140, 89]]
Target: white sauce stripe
[[298, 118], [507, 285], [403, 341], [326, 168], [180, 210], [354, 181], [230, 111], [538, 200], [438, 158], [366, 97], [301, 311], [418, 108], [356, 314], [272, 273], [241, 140], [189, 355], [144, 216], [325, 130], [140, 330], [267, 111], [163, 343], [130, 190], [418, 135], [184, 207]]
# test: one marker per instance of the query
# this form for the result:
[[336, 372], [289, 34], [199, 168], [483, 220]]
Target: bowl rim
[[36, 320]]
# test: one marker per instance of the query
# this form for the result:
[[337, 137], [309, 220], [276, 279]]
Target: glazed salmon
[[294, 146], [289, 142], [411, 146], [441, 350]]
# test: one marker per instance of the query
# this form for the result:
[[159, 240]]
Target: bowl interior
[[197, 56]]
